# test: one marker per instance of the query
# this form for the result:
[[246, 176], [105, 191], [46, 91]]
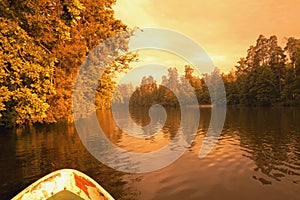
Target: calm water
[[257, 157]]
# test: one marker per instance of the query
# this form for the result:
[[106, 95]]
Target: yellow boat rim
[[63, 183]]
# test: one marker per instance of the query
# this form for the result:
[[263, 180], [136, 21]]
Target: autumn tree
[[146, 93], [173, 90], [25, 70], [173, 87], [122, 93], [43, 44]]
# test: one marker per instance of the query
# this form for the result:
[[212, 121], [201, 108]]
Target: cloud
[[133, 13], [225, 29]]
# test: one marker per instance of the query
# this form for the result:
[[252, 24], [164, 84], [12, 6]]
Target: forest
[[43, 44], [268, 75]]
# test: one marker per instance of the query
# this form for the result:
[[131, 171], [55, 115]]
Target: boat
[[64, 184]]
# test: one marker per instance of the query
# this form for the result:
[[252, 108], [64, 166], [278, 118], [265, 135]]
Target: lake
[[257, 157]]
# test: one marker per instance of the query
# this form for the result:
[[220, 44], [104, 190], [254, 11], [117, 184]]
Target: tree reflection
[[270, 137], [37, 151]]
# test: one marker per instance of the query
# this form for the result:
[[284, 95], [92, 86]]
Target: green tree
[[290, 89], [258, 87], [293, 50], [230, 83], [264, 61], [264, 86], [291, 92]]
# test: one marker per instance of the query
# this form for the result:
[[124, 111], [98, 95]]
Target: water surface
[[257, 157]]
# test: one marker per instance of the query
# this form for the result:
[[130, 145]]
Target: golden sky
[[224, 28]]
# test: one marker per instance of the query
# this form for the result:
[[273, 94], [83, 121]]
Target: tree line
[[172, 91], [43, 43], [268, 75]]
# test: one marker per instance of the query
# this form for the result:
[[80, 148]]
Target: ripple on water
[[257, 157]]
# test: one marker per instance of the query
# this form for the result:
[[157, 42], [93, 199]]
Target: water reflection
[[271, 138], [33, 152], [257, 156]]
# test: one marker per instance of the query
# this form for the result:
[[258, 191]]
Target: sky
[[223, 28]]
